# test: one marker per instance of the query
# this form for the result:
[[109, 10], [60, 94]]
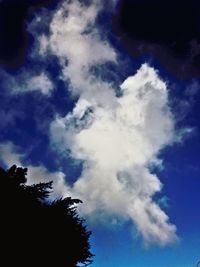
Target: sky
[[102, 97]]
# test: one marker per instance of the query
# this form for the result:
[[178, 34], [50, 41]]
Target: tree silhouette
[[36, 231]]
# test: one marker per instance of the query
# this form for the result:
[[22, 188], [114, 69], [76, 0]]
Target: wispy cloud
[[26, 81], [11, 154], [40, 82]]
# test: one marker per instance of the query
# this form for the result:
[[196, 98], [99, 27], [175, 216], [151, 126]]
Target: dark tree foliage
[[36, 231]]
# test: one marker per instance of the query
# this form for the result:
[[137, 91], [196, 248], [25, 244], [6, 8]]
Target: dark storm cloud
[[13, 33], [168, 30]]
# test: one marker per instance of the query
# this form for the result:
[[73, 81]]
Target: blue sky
[[103, 99]]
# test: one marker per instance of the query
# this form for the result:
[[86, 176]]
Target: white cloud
[[10, 155], [117, 144]]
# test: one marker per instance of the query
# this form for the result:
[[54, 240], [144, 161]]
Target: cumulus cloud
[[118, 144], [10, 155], [118, 138]]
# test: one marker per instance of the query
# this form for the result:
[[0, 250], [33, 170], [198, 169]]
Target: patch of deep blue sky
[[27, 127], [120, 250]]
